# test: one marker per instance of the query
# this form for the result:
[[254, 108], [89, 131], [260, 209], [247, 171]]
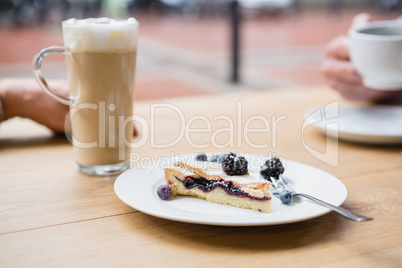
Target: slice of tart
[[206, 180]]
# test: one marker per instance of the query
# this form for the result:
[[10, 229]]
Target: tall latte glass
[[101, 57]]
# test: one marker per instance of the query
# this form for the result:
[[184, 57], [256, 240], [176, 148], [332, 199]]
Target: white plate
[[375, 124], [137, 188]]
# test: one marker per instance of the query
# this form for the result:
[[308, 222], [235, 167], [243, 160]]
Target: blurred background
[[195, 47]]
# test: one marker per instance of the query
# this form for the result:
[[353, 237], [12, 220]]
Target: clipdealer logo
[[234, 129], [325, 118]]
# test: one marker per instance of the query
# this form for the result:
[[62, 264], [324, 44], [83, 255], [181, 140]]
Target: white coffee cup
[[376, 53]]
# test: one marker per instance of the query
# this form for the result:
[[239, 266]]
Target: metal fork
[[280, 185]]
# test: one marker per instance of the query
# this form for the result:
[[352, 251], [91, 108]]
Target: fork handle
[[347, 213]]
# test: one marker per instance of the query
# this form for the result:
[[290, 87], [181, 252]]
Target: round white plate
[[137, 188], [375, 124]]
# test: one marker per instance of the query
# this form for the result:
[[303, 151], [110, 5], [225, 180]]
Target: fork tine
[[285, 183], [279, 184], [274, 186], [273, 181]]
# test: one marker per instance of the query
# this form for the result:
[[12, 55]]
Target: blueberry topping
[[232, 164], [206, 185], [189, 181], [272, 168], [201, 157], [164, 191], [286, 197]]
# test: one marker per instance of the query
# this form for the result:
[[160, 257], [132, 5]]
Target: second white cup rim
[[356, 32]]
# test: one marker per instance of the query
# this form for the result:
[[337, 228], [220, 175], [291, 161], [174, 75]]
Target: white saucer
[[378, 124], [137, 188]]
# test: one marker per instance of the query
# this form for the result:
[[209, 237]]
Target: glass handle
[[38, 73]]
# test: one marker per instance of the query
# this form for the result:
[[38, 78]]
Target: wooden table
[[53, 216]]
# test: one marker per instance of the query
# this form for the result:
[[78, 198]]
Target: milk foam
[[100, 35]]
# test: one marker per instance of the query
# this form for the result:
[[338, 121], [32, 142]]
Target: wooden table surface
[[53, 216]]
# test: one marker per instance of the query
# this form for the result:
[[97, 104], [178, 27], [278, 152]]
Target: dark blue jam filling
[[209, 185]]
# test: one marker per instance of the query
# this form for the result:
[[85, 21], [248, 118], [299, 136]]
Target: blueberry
[[217, 158], [286, 197], [201, 157], [164, 191], [214, 158], [221, 157]]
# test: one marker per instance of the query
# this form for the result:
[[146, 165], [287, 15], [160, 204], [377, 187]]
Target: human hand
[[24, 98], [341, 74]]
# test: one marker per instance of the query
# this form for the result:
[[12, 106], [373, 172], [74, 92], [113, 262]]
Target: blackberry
[[232, 164], [272, 168]]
